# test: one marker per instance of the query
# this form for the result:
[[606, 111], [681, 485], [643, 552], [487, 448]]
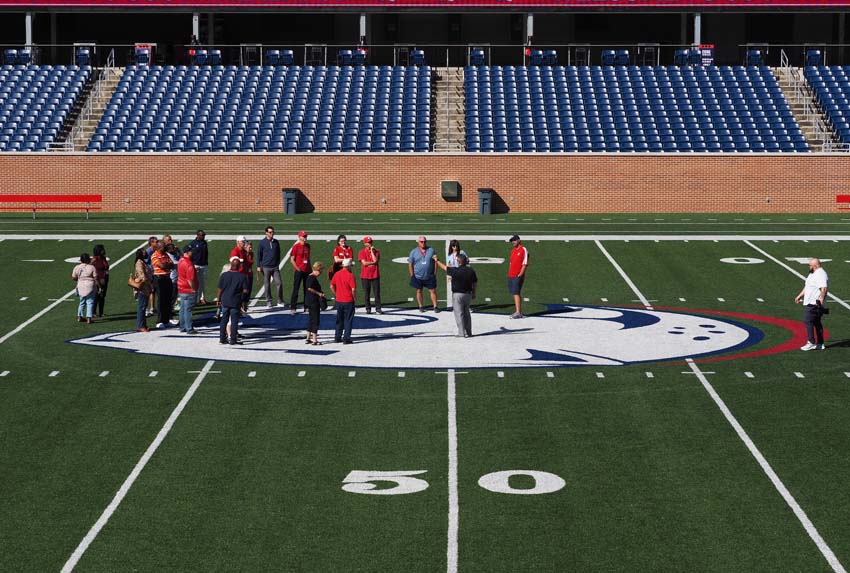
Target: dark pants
[[814, 327], [228, 314], [246, 296], [315, 315], [344, 320], [163, 298], [100, 301], [141, 307], [368, 285], [299, 282]]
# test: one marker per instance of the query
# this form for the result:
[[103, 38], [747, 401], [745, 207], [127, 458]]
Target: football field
[[653, 411]]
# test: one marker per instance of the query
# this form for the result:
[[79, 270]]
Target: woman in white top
[[454, 251], [85, 275]]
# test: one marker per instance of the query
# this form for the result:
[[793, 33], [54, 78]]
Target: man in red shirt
[[187, 284], [343, 285], [245, 251], [516, 273], [299, 256], [370, 275]]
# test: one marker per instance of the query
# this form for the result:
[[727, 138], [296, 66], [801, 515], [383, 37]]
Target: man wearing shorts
[[516, 273], [421, 266]]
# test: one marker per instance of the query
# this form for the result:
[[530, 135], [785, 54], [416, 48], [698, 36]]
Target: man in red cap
[[370, 276], [299, 256]]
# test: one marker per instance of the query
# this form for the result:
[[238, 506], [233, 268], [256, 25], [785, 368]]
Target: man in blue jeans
[[344, 285], [231, 286]]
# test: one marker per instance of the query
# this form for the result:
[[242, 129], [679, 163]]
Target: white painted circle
[[544, 482], [741, 261]]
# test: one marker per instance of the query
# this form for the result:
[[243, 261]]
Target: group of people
[[166, 277]]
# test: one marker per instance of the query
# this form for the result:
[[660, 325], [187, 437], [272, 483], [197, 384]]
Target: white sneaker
[[821, 347], [517, 315], [160, 325], [808, 346]]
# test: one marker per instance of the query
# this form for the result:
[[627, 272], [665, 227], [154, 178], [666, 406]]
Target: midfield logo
[[404, 338]]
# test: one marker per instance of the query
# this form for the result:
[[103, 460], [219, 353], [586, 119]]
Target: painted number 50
[[363, 481]]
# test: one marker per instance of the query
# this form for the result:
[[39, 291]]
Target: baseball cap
[[302, 233], [367, 239], [235, 258], [514, 238], [241, 238], [347, 262]]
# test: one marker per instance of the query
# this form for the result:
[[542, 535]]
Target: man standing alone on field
[[813, 297], [421, 266], [516, 273], [299, 256], [268, 258]]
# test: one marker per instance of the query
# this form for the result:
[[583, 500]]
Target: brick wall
[[529, 183]]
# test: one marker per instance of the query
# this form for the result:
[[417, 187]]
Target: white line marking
[[56, 303], [799, 374], [410, 299], [682, 300], [600, 375], [4, 374], [104, 374], [846, 374], [38, 260], [719, 299], [550, 375], [603, 299], [153, 373], [623, 274], [500, 374], [128, 483], [566, 299], [352, 374], [54, 374], [454, 513], [768, 470], [795, 273], [749, 375], [23, 298], [252, 374], [760, 299], [401, 374], [301, 373], [777, 483], [650, 375]]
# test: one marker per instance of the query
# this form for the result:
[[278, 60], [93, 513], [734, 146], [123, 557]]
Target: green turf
[[250, 477]]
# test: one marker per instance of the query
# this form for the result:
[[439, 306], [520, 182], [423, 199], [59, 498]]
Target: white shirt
[[814, 282]]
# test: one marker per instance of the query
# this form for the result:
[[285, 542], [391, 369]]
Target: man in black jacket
[[200, 255]]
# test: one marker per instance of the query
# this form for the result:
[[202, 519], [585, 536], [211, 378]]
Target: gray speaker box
[[450, 190]]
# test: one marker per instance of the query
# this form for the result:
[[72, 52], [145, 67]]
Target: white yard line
[[623, 274], [768, 470], [454, 514], [57, 302], [464, 237], [795, 273], [128, 483], [742, 434]]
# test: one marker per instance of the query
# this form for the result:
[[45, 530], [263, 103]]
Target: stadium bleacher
[[286, 108], [628, 108], [35, 102], [831, 88]]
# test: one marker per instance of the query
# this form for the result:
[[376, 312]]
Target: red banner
[[436, 4]]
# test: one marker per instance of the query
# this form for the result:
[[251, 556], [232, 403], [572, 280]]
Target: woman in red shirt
[[341, 251]]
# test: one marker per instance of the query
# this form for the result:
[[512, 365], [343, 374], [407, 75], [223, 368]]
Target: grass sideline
[[250, 476]]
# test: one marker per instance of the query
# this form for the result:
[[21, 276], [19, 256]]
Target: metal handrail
[[95, 96]]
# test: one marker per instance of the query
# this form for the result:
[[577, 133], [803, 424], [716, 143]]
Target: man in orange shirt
[[162, 265], [343, 285]]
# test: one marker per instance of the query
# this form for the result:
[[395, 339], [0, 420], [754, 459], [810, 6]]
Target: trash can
[[485, 201], [290, 199]]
